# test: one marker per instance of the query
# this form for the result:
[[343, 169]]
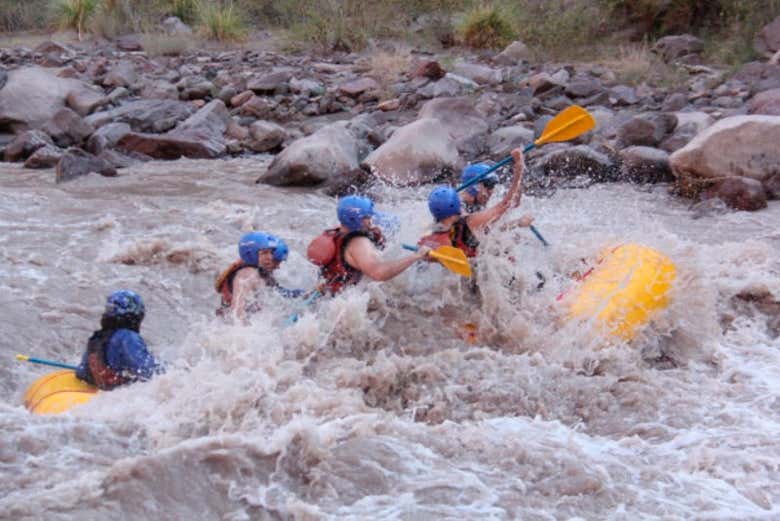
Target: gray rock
[[578, 161], [265, 136], [671, 48], [356, 88], [622, 95], [744, 146], [174, 26], [504, 140], [681, 136], [200, 136], [45, 157], [106, 137], [459, 119], [32, 96], [160, 89], [767, 103], [271, 83], [768, 39], [84, 102], [449, 86], [583, 88], [312, 160], [258, 107], [76, 163], [480, 74], [123, 74], [645, 165], [67, 128], [227, 93], [415, 153], [759, 76], [25, 144], [307, 87], [117, 95], [647, 129], [145, 115], [674, 102], [199, 90], [513, 54]]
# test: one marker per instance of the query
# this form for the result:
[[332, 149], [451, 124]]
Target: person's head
[[355, 212], [443, 203], [480, 192], [124, 310], [263, 250]]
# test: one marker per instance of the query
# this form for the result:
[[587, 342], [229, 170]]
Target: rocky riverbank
[[404, 118]]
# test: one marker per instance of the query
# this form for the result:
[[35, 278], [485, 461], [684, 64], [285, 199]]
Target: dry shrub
[[636, 64], [387, 67], [487, 28], [158, 44]]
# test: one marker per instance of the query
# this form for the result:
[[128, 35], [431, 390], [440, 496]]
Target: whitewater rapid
[[373, 406]]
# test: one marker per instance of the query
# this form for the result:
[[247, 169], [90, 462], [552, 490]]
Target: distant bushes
[[487, 28]]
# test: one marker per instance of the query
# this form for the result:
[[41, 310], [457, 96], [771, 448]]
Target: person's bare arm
[[245, 283], [511, 199], [362, 254]]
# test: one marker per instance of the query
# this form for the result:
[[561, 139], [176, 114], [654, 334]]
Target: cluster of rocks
[[331, 122]]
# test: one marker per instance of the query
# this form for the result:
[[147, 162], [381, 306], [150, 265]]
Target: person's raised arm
[[511, 199], [362, 255]]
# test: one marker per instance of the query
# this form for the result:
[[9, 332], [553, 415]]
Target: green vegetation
[[222, 22], [75, 14], [553, 29], [487, 28]]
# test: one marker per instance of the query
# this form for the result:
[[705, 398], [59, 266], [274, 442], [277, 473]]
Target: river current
[[374, 405]]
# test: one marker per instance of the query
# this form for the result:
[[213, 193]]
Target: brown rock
[[44, 157], [355, 88], [84, 102], [768, 39], [673, 47], [767, 102], [25, 144], [389, 105], [772, 186], [257, 107], [67, 128], [240, 99], [265, 136], [741, 193], [645, 165], [429, 69]]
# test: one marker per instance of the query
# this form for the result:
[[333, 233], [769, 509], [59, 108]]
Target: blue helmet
[[251, 243], [477, 169], [124, 303], [353, 209], [444, 202], [281, 250]]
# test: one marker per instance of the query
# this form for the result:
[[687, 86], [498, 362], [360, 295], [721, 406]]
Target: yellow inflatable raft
[[57, 392], [629, 285]]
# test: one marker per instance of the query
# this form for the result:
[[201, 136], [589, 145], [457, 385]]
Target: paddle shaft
[[45, 362], [306, 303]]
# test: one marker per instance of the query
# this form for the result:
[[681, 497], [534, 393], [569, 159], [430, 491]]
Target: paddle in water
[[568, 124], [450, 257], [25, 358]]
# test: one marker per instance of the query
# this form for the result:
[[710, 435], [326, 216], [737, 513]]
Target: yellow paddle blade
[[453, 259], [567, 125]]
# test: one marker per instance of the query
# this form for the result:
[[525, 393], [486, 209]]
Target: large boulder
[[768, 39], [416, 153], [579, 161], [67, 128], [25, 144], [513, 54], [645, 165], [671, 48], [504, 140], [76, 163], [767, 103], [32, 96], [145, 115], [459, 119], [200, 136], [315, 159], [737, 146]]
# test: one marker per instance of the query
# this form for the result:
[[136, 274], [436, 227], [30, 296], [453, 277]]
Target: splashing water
[[374, 405]]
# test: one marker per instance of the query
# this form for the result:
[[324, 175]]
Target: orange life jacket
[[327, 251], [224, 285], [458, 235], [100, 373]]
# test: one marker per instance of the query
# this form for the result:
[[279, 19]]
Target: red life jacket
[[99, 373], [224, 285], [327, 251], [459, 235]]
